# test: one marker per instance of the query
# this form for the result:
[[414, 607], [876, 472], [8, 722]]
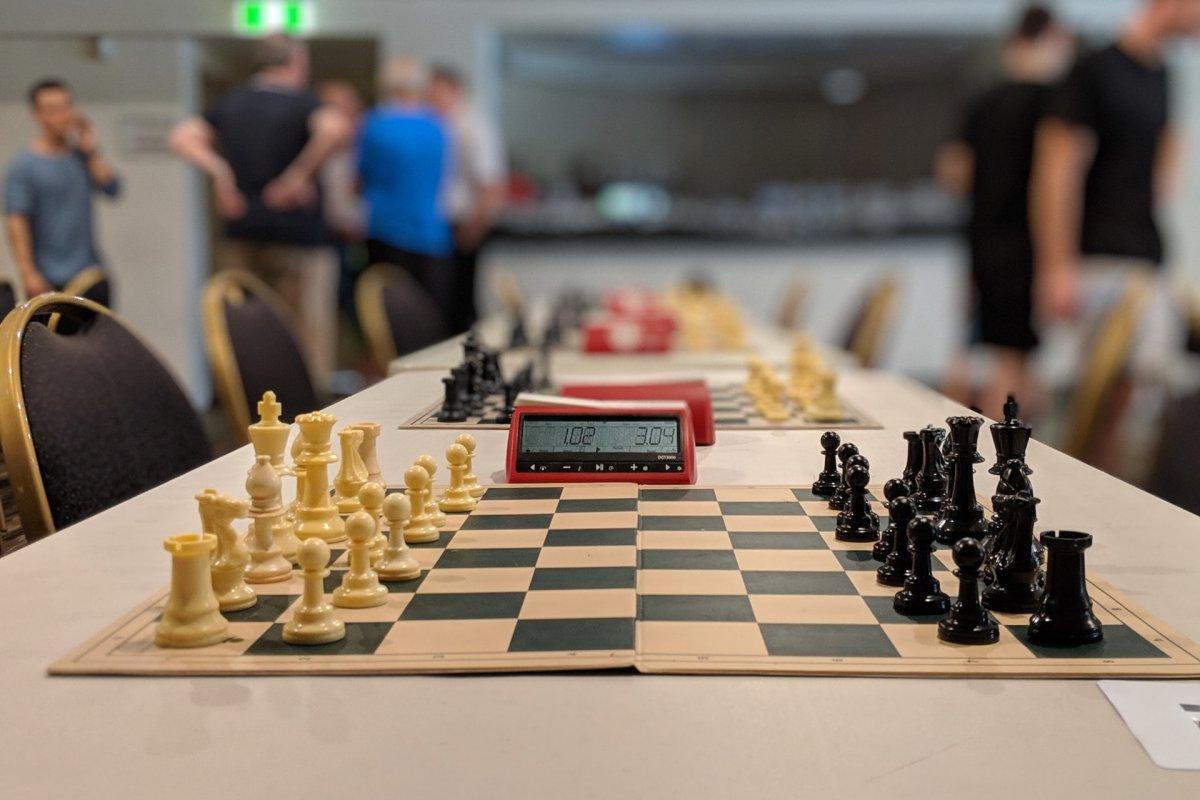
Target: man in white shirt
[[475, 192]]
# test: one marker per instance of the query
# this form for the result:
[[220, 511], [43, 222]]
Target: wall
[[148, 235]]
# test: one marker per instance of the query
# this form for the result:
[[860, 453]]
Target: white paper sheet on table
[[1163, 715]]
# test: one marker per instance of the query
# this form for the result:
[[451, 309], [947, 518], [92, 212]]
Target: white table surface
[[570, 735]]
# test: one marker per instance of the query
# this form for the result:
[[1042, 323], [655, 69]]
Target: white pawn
[[457, 498], [419, 527], [398, 563], [360, 585], [313, 622], [436, 517], [469, 480], [371, 497]]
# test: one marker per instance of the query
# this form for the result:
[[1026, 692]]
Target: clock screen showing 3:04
[[599, 436]]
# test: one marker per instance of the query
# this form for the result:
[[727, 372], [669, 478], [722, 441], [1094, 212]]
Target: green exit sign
[[260, 17]]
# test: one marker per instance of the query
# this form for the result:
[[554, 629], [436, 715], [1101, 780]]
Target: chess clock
[[577, 442]]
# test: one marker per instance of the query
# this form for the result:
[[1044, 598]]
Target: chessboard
[[732, 409], [724, 579]]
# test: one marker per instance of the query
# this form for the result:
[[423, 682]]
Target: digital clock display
[[643, 435]]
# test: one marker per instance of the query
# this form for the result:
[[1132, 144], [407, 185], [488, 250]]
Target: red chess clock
[[694, 393], [580, 441]]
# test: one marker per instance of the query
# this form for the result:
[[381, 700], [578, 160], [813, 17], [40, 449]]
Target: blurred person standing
[[404, 153], [990, 162], [262, 145], [1106, 156], [48, 192], [476, 190], [343, 206]]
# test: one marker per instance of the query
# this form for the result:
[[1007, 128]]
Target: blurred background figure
[[345, 214], [262, 145], [990, 163], [405, 155], [476, 190], [1107, 156], [48, 192]]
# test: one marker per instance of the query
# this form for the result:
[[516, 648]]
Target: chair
[[252, 348], [396, 315], [8, 298], [1177, 458], [871, 321], [88, 418], [1104, 362], [91, 284]]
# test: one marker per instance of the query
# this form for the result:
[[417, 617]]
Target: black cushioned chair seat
[[413, 316], [100, 292], [107, 419], [8, 298], [268, 357]]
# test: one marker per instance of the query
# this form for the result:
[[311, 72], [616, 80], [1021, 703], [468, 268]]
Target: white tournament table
[[570, 735]]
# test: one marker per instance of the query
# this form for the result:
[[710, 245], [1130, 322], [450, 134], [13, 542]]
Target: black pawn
[[922, 595], [912, 465], [452, 409], [517, 336], [931, 480], [857, 523], [1013, 570], [844, 453], [968, 621], [1064, 617], [899, 561], [893, 490], [511, 390], [827, 482]]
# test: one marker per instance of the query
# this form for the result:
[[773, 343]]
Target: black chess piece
[[517, 336], [899, 561], [968, 621], [960, 514], [544, 381], [922, 594], [1064, 617], [493, 380], [511, 390], [912, 465], [827, 482], [1013, 570], [931, 480], [452, 409], [892, 490], [857, 523], [1014, 478], [1011, 439], [845, 452]]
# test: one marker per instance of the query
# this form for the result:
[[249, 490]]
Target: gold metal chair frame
[[15, 437], [1105, 362], [372, 314], [866, 343], [233, 285], [77, 286]]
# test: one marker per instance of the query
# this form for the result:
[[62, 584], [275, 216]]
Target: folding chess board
[[732, 408], [728, 579]]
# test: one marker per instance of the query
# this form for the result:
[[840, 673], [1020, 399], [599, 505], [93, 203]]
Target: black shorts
[[1002, 276]]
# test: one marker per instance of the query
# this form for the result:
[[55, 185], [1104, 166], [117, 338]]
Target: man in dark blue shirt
[[404, 158], [48, 193]]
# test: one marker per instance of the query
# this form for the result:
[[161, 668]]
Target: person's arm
[[194, 140], [101, 173], [1168, 165], [954, 167], [20, 242], [329, 131], [1062, 155]]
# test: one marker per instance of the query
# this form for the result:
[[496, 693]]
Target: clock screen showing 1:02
[[600, 436]]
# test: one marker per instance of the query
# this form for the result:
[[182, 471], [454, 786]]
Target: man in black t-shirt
[[990, 162], [262, 145], [1105, 158]]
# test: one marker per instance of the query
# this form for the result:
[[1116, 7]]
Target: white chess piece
[[469, 480], [267, 564], [436, 517], [457, 498], [371, 497], [419, 527], [360, 584], [191, 617], [313, 622], [369, 450], [217, 513], [353, 473], [398, 563]]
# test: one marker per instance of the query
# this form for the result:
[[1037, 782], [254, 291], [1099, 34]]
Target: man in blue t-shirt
[[404, 152], [48, 193]]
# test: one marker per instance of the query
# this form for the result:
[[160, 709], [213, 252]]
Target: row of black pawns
[[934, 502]]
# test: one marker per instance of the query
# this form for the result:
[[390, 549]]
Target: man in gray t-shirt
[[48, 193]]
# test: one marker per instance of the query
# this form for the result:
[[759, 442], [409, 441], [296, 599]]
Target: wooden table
[[570, 735]]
